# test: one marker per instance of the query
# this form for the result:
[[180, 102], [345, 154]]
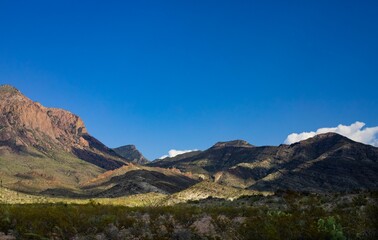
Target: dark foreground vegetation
[[282, 216]]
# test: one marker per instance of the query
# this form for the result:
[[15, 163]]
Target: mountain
[[167, 159], [326, 162], [131, 153], [47, 147], [49, 151], [234, 143], [206, 163], [25, 123]]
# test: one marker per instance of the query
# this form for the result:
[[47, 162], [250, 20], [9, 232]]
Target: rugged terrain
[[327, 162], [59, 182], [49, 151], [131, 153], [26, 124]]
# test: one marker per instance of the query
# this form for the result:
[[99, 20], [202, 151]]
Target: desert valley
[[59, 182]]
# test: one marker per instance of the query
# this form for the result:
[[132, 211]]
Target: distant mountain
[[327, 162], [234, 143], [132, 154], [175, 158], [45, 147]]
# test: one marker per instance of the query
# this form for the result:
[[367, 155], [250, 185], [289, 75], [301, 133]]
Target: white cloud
[[356, 131], [174, 153]]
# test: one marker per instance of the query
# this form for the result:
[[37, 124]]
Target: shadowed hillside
[[43, 148], [327, 162], [131, 153]]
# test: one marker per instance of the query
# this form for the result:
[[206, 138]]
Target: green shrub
[[331, 228]]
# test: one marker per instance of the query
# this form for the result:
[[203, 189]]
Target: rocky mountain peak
[[27, 124], [6, 88], [234, 143], [325, 139], [131, 153], [128, 147], [329, 135], [8, 91]]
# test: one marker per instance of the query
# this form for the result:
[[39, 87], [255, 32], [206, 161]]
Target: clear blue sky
[[186, 74]]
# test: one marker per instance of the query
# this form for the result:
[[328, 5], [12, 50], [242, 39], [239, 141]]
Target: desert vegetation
[[284, 215]]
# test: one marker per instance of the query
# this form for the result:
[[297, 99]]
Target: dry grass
[[149, 199]]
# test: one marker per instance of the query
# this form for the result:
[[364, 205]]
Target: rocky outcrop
[[27, 124], [234, 143], [132, 154]]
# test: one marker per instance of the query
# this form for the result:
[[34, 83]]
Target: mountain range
[[326, 162], [49, 151]]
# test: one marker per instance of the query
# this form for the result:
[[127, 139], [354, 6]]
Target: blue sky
[[185, 74]]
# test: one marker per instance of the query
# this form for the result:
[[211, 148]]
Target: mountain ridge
[[267, 168], [49, 151], [42, 148], [25, 123]]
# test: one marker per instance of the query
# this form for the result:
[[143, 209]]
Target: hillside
[[25, 124], [327, 162], [43, 148], [49, 151], [135, 179], [206, 189]]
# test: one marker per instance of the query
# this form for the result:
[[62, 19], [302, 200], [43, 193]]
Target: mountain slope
[[131, 153], [133, 179], [206, 189], [49, 151], [327, 162], [44, 148], [24, 124]]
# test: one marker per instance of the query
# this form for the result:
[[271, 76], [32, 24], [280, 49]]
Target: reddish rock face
[[29, 123], [25, 123]]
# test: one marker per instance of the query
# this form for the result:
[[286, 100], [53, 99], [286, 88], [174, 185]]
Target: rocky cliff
[[25, 123], [131, 153]]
